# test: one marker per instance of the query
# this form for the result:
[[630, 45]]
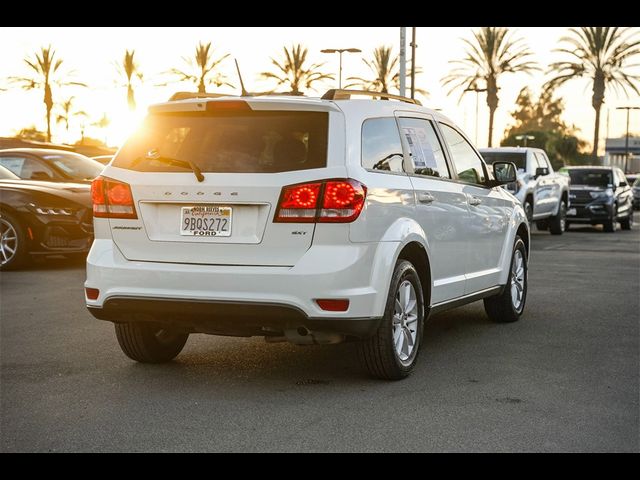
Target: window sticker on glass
[[421, 152]]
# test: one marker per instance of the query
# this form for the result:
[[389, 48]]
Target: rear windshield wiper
[[183, 163], [175, 161]]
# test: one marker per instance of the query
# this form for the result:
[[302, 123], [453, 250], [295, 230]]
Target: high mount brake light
[[112, 199], [328, 201], [227, 105]]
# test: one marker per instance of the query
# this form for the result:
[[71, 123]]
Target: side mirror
[[622, 184], [541, 171], [504, 172], [39, 175]]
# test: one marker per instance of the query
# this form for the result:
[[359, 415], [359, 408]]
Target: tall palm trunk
[[596, 101], [492, 103], [492, 112], [131, 101], [48, 102]]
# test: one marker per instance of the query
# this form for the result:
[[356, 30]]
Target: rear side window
[[381, 146], [247, 142], [424, 147], [467, 162], [25, 167]]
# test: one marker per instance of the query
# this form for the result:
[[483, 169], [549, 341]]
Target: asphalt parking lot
[[564, 378]]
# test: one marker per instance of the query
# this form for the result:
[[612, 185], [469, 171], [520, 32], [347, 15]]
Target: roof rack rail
[[186, 95], [342, 94]]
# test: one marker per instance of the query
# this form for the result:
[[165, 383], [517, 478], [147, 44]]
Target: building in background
[[614, 154]]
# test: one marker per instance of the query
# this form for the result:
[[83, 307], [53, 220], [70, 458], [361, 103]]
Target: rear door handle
[[425, 197], [475, 201]]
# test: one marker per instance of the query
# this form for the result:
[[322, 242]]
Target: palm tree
[[67, 113], [203, 67], [386, 70], [44, 66], [102, 124], [292, 71], [493, 53], [602, 55], [129, 69]]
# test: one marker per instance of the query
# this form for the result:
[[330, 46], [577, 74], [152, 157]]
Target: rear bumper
[[230, 298], [227, 318]]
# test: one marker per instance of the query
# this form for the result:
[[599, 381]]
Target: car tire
[[147, 342], [542, 225], [558, 223], [13, 242], [508, 306], [627, 223], [611, 225], [392, 351]]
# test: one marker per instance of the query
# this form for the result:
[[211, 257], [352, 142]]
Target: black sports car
[[50, 165], [42, 218]]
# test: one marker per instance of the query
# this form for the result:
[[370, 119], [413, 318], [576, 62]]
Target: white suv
[[301, 219]]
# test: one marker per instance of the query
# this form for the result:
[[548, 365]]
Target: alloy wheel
[[8, 242], [517, 280], [405, 321]]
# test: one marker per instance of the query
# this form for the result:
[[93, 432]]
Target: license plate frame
[[206, 220]]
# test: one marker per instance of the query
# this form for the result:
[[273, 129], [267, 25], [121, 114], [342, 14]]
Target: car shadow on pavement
[[210, 362], [56, 263]]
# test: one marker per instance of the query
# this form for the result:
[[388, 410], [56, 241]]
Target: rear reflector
[[112, 199], [333, 305], [92, 293], [334, 201]]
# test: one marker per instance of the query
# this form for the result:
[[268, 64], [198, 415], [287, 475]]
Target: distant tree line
[[602, 55]]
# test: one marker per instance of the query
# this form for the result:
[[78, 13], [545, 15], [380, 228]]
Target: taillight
[[112, 199], [343, 200], [298, 203], [329, 201]]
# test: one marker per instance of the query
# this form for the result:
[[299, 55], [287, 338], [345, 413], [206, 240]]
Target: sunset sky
[[92, 52]]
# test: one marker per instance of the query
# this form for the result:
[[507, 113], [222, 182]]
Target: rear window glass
[[520, 159], [253, 142]]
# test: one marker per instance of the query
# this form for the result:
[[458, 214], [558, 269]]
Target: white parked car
[[301, 219], [544, 194]]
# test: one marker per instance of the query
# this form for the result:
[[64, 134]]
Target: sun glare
[[123, 126]]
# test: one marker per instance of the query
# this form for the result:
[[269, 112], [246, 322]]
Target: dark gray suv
[[599, 196]]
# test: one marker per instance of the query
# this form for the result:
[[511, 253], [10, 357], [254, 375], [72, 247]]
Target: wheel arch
[[416, 253], [523, 233], [413, 246]]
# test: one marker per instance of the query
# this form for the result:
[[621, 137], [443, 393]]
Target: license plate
[[206, 221], [571, 211]]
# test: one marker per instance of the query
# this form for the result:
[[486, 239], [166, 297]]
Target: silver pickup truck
[[544, 194]]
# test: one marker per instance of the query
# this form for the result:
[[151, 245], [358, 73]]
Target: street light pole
[[525, 137], [413, 62], [626, 139], [340, 51], [403, 60], [477, 90]]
